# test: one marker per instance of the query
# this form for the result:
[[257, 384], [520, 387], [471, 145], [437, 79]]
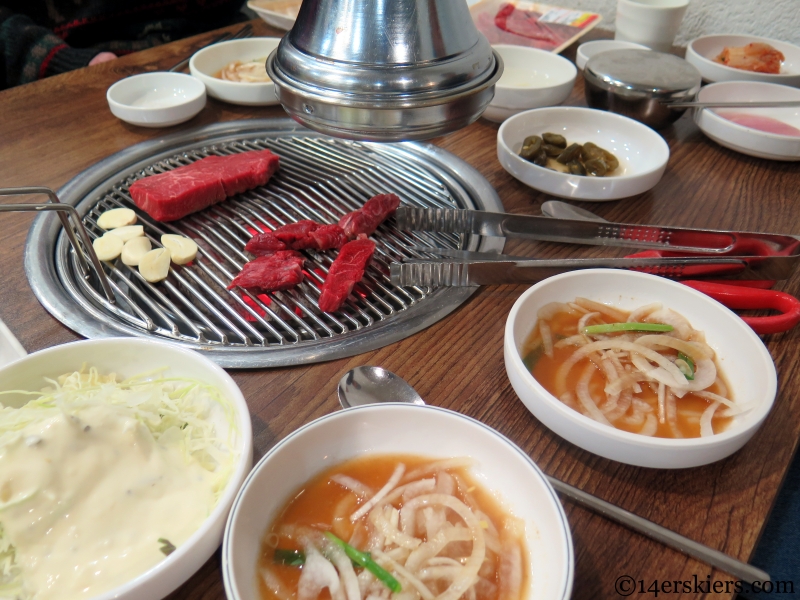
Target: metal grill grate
[[320, 178]]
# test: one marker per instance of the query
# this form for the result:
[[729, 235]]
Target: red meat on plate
[[182, 191], [345, 272], [280, 271], [367, 218]]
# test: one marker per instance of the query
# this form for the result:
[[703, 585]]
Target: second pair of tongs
[[675, 252]]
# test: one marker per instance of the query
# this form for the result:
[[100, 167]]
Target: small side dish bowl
[[156, 99], [742, 357], [772, 133], [129, 357], [278, 13], [206, 64], [501, 467], [589, 49], [702, 51], [531, 78], [642, 153]]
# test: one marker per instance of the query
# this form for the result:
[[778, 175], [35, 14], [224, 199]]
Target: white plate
[[642, 153], [702, 51], [133, 356], [205, 64], [278, 13], [502, 467], [749, 140], [10, 348], [157, 99], [741, 355]]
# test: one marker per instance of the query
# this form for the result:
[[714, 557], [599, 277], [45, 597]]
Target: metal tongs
[[675, 252]]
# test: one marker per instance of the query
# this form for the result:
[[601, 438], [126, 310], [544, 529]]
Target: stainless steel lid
[[643, 73], [384, 71]]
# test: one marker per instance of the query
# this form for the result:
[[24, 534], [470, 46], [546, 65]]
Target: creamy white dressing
[[85, 497]]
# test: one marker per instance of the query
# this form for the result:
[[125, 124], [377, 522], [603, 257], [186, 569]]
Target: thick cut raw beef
[[182, 191], [345, 272], [367, 218], [279, 271], [297, 236]]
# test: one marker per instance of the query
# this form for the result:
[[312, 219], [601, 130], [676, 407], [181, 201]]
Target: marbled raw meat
[[264, 244], [297, 236], [182, 191], [279, 271], [327, 237], [367, 218], [345, 272]]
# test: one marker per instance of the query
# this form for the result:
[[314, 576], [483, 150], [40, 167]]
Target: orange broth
[[563, 325], [315, 505]]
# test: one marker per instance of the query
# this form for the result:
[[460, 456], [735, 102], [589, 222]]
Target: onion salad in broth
[[399, 527], [647, 371]]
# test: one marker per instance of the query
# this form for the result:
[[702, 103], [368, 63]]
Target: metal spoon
[[372, 385]]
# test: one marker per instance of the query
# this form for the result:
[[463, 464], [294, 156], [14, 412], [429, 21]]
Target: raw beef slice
[[345, 272], [367, 218], [182, 191], [280, 271]]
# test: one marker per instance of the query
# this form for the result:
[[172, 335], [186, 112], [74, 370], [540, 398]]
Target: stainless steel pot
[[640, 84], [384, 70]]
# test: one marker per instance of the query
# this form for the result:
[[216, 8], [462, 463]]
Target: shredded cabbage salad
[[179, 411]]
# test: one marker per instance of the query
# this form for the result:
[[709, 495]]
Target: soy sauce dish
[[741, 358]]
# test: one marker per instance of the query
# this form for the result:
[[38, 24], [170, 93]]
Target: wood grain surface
[[53, 129]]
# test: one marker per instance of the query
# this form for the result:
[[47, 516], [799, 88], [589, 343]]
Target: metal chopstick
[[244, 32]]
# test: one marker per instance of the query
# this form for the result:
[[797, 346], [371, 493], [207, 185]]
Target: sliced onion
[[695, 350], [638, 315], [617, 315], [584, 320], [705, 420], [585, 397], [662, 403], [681, 326], [650, 425], [672, 414], [390, 485], [548, 311], [547, 338]]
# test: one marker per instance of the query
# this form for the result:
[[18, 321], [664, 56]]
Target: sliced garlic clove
[[134, 249], [154, 266], [128, 232], [108, 247], [182, 249], [116, 217]]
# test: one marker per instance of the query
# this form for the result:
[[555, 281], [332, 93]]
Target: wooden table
[[53, 129]]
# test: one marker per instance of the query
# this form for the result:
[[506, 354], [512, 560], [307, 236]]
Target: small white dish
[[742, 357], [642, 153], [501, 467], [278, 13], [206, 64], [748, 139], [589, 49], [702, 51], [531, 79], [158, 99], [10, 348], [128, 357]]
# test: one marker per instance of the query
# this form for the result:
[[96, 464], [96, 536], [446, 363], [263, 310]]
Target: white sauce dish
[[742, 357], [531, 79], [702, 51], [156, 99], [109, 554], [206, 65], [500, 467], [589, 49], [772, 133], [642, 153]]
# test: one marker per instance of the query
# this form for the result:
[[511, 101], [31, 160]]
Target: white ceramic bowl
[[128, 357], [531, 78], [209, 61], [744, 139], [278, 13], [642, 153], [10, 348], [589, 49], [400, 428], [156, 99], [741, 355], [702, 51]]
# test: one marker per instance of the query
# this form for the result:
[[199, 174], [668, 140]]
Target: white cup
[[652, 23]]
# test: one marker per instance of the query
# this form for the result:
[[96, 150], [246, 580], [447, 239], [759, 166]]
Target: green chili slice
[[616, 327], [365, 560], [290, 558], [686, 366]]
